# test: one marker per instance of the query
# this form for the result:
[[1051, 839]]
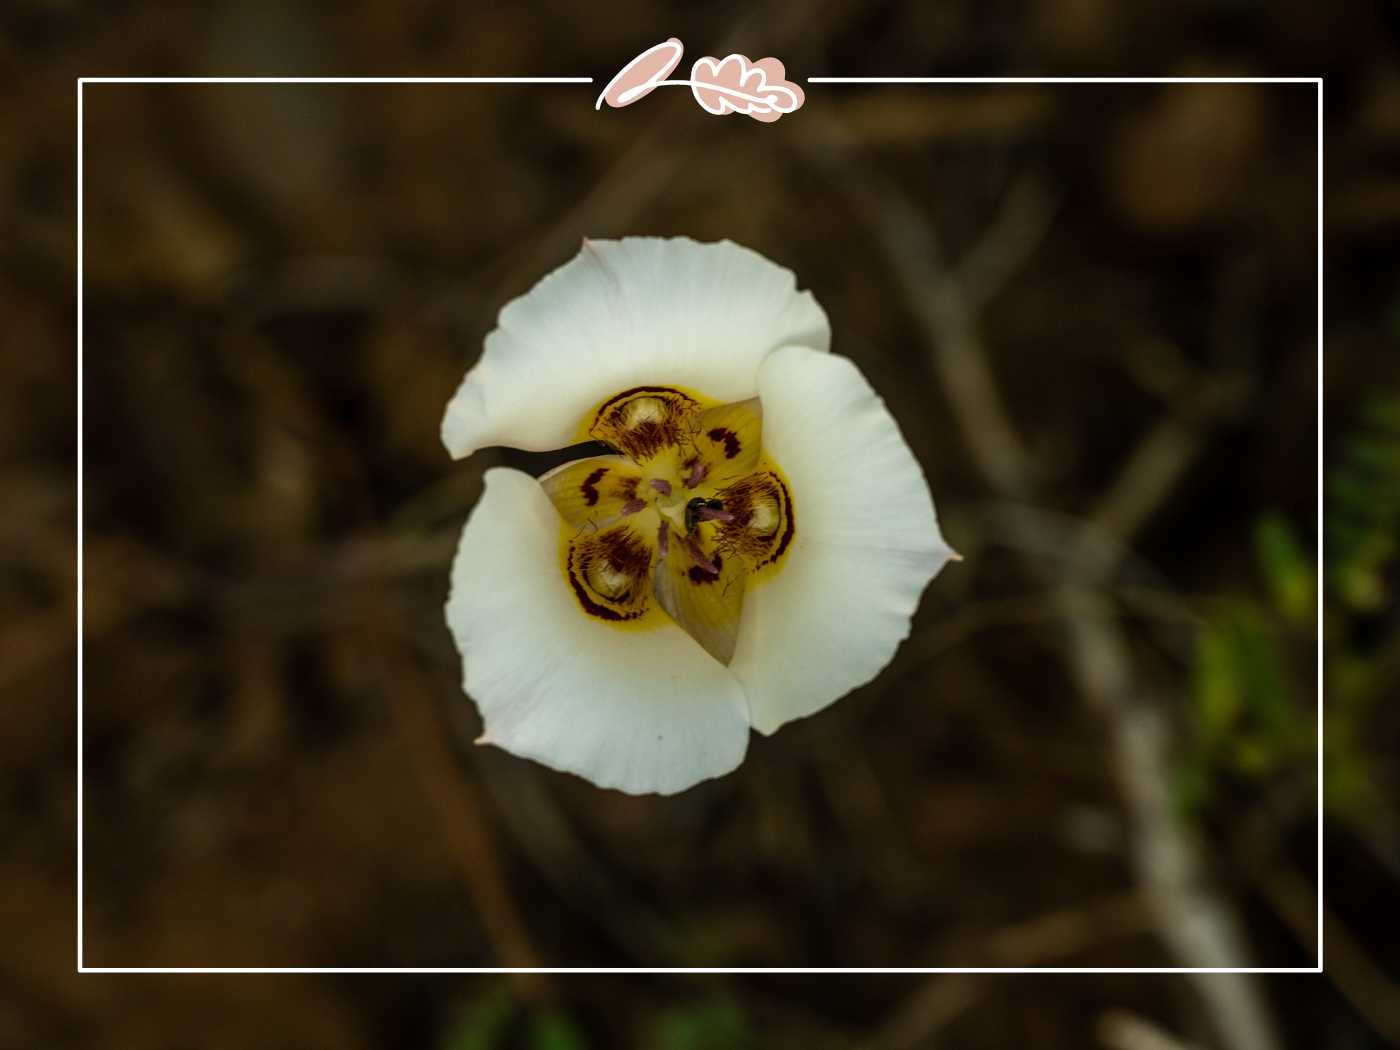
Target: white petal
[[640, 710], [639, 311], [866, 544]]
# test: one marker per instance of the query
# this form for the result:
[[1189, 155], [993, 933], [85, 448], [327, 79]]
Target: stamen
[[709, 514], [661, 485], [696, 507], [634, 506], [698, 469], [704, 563]]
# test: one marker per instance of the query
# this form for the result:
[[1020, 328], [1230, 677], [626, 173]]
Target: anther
[[696, 511], [704, 563], [698, 469]]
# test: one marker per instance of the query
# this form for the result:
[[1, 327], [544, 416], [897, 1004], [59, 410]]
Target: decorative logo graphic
[[722, 86]]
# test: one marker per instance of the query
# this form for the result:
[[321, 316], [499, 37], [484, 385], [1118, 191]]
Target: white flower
[[753, 551]]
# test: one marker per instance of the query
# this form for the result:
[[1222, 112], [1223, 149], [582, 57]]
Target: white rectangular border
[[699, 969]]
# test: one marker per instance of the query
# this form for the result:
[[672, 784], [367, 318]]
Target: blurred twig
[[936, 298], [935, 1004], [1349, 966], [1060, 934], [1066, 932], [1008, 242], [459, 808], [559, 854], [1193, 918], [966, 621], [1121, 1030], [1163, 456], [914, 120]]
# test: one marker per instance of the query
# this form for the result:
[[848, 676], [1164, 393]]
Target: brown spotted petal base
[[685, 515]]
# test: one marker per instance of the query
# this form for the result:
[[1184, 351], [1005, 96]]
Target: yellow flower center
[[686, 514]]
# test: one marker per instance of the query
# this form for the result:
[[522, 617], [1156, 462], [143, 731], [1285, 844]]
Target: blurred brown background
[[1092, 309]]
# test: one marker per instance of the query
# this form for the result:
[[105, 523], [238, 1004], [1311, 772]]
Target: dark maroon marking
[[634, 506], [787, 517], [663, 538], [590, 486], [589, 605], [730, 439], [661, 485], [627, 488], [647, 439], [699, 574], [740, 498], [610, 402], [626, 553]]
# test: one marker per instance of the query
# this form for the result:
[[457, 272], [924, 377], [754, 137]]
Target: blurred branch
[[563, 859], [1057, 935], [612, 203], [1164, 455], [966, 621], [938, 303], [1385, 667], [936, 1004], [1065, 932], [1356, 975], [914, 120], [1008, 242], [428, 745], [1193, 918], [1121, 1030]]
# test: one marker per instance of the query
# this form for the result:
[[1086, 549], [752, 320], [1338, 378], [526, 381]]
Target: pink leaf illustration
[[735, 85], [642, 75]]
